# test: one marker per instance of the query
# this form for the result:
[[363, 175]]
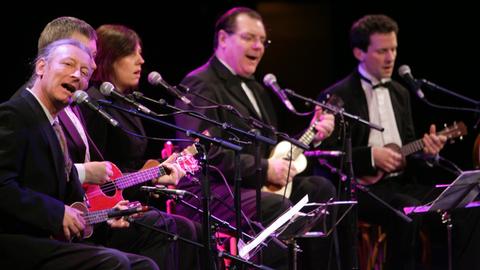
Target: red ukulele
[[106, 196]]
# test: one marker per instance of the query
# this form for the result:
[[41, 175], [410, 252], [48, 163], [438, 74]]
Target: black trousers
[[27, 252], [403, 237], [156, 245], [466, 238], [144, 241]]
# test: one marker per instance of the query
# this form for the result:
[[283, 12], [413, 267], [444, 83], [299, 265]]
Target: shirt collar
[[50, 117]]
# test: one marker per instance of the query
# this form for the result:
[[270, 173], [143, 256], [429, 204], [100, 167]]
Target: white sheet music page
[[244, 250]]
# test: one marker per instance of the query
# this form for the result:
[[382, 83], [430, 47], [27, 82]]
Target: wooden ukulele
[[454, 131], [106, 196], [99, 216], [286, 150]]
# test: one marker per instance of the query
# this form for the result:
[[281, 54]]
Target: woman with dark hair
[[119, 61]]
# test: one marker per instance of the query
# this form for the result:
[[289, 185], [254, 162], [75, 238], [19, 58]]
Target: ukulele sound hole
[[108, 188]]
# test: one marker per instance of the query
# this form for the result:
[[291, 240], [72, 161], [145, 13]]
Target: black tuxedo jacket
[[76, 146], [33, 186], [352, 95], [214, 81]]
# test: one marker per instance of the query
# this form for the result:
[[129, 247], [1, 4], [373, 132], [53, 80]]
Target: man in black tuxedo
[[227, 78], [36, 183], [370, 93]]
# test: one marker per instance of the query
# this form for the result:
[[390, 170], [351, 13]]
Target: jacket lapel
[[51, 139], [234, 86], [360, 104], [259, 93], [72, 133]]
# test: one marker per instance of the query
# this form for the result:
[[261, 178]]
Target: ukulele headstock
[[454, 131], [187, 161]]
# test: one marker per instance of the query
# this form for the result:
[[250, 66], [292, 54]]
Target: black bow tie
[[384, 83], [247, 80]]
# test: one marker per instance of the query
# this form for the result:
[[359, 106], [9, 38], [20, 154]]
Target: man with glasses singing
[[227, 78]]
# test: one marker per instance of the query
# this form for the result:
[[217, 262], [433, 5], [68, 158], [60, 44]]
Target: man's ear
[[222, 36], [359, 54], [40, 67]]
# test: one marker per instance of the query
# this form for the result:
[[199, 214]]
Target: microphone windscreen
[[154, 78], [107, 88], [269, 79], [79, 96], [403, 70]]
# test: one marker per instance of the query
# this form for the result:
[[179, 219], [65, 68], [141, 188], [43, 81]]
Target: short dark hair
[[64, 27], [368, 25], [228, 21], [114, 41]]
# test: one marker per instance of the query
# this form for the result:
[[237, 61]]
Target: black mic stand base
[[171, 236], [372, 195], [220, 254]]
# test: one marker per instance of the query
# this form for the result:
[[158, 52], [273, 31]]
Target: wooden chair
[[372, 246]]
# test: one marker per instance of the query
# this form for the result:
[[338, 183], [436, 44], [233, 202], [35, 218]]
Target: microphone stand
[[351, 185], [445, 90], [258, 190], [216, 220], [220, 254], [476, 103], [237, 174], [252, 121], [351, 193], [336, 110], [256, 136], [205, 184], [255, 123], [189, 133]]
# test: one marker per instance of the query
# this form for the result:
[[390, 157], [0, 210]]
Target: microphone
[[271, 81], [80, 97], [406, 74], [154, 78], [127, 212], [322, 153], [107, 89], [161, 189]]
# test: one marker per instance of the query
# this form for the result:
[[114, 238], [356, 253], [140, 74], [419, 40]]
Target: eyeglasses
[[251, 38]]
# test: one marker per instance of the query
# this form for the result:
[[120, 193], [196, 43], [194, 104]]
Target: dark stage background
[[309, 48]]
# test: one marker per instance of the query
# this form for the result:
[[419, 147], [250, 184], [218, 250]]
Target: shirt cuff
[[371, 157], [81, 171], [316, 144]]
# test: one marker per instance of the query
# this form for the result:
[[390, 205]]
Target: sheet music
[[460, 193], [245, 250]]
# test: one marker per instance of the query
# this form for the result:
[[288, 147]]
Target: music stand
[[293, 225], [459, 194]]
